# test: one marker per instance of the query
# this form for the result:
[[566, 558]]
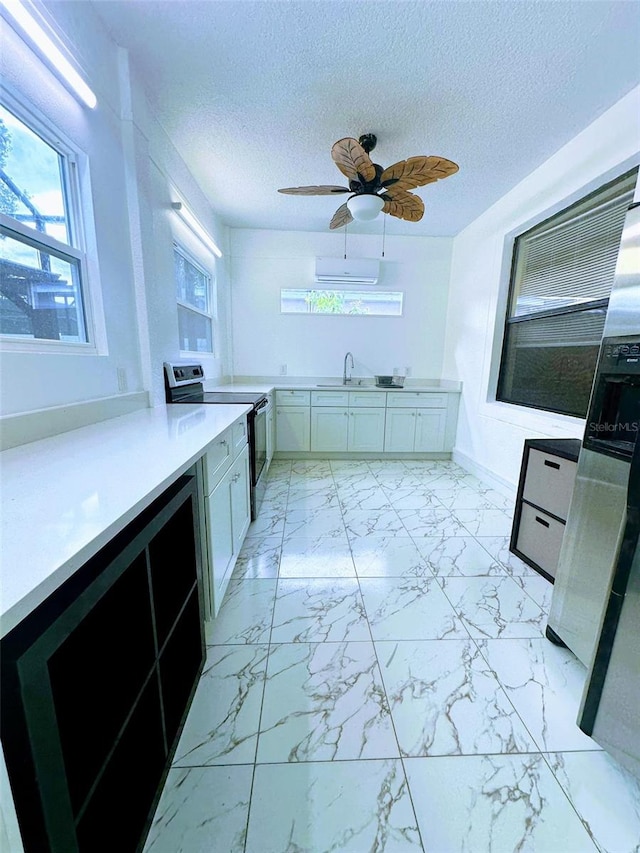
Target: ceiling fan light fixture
[[365, 206]]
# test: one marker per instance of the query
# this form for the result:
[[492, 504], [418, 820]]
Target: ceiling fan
[[375, 189]]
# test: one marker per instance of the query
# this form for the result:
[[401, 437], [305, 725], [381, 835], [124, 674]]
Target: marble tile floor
[[378, 680]]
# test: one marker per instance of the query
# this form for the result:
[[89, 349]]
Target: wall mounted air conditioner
[[349, 271]]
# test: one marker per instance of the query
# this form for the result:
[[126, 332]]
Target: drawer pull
[[542, 521], [550, 464], [223, 442]]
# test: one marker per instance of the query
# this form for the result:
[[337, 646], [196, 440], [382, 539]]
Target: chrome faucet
[[344, 372]]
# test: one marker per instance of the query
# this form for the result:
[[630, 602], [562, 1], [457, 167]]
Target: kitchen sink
[[340, 385]]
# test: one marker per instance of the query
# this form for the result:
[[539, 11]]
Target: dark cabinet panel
[[97, 682], [180, 664], [116, 814], [87, 666], [173, 569]]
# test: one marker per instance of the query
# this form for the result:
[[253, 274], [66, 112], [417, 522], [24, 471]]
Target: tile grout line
[[264, 683]]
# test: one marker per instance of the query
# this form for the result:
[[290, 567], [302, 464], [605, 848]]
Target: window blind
[[561, 278], [570, 259]]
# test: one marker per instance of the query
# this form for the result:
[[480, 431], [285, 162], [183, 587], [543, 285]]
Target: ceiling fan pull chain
[[384, 232], [345, 242]]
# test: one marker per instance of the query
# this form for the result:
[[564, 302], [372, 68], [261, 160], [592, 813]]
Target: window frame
[[76, 188], [212, 314], [551, 218]]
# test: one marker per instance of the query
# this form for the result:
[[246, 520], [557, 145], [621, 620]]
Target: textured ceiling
[[253, 94]]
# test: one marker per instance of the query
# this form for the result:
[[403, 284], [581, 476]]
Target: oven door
[[258, 456], [260, 438]]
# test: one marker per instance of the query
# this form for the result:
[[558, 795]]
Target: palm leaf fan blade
[[320, 190], [403, 205], [352, 160], [417, 171], [341, 217]]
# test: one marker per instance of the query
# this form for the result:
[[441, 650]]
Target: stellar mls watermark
[[619, 426]]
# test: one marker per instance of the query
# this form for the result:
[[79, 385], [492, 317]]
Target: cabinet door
[[400, 430], [218, 459], [366, 429], [430, 429], [220, 538], [240, 501], [329, 428], [293, 428], [239, 432]]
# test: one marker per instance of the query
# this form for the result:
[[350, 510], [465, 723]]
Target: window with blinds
[[561, 278]]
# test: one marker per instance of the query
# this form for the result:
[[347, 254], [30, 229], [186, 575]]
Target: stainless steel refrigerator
[[595, 608], [610, 710]]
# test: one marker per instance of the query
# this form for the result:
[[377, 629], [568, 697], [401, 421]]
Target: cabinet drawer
[[329, 398], [239, 433], [540, 538], [416, 400], [366, 399], [549, 482], [217, 459], [292, 397]]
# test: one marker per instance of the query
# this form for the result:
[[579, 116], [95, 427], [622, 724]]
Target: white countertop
[[331, 385], [65, 497]]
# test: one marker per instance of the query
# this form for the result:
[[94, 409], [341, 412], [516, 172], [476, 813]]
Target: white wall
[[490, 434], [262, 262], [135, 171]]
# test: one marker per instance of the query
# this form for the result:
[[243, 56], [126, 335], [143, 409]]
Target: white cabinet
[[343, 421], [400, 430], [329, 428], [293, 420], [227, 507], [219, 541], [430, 430], [416, 422], [240, 499], [366, 429]]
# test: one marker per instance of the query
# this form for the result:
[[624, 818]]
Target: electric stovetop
[[247, 398]]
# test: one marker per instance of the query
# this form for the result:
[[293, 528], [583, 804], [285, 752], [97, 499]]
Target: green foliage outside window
[[333, 302]]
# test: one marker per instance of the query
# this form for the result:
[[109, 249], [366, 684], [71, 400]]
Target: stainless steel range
[[184, 384]]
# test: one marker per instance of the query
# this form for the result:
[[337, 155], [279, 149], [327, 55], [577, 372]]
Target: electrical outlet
[[283, 370], [396, 371], [407, 371], [122, 379]]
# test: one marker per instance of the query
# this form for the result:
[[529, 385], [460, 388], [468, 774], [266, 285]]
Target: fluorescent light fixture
[[189, 219], [21, 14]]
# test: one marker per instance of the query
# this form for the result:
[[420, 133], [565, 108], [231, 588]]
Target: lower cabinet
[[97, 681], [293, 428], [228, 515], [339, 429], [415, 430], [364, 421]]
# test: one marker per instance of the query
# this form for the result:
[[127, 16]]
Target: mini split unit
[[358, 271]]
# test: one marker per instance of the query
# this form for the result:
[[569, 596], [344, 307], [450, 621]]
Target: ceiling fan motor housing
[[362, 186], [368, 141]]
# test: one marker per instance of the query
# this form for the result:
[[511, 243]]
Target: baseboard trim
[[43, 423], [507, 488]]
